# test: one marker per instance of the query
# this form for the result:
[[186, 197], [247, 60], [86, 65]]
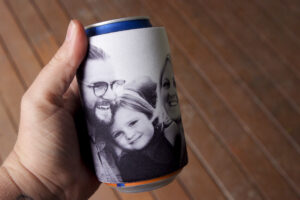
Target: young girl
[[142, 151], [170, 111]]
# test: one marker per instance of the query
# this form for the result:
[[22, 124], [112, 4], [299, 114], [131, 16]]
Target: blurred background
[[237, 66]]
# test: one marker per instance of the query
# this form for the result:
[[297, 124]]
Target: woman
[[142, 151], [170, 115], [168, 93]]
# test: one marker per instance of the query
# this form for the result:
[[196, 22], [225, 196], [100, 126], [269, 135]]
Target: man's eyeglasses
[[101, 87]]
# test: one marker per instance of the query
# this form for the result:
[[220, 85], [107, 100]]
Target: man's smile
[[104, 105]]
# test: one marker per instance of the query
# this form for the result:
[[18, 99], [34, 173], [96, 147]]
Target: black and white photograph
[[132, 107]]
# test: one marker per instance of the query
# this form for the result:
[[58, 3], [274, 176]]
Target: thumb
[[56, 77]]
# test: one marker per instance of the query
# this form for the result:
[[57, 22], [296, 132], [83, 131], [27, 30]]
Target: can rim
[[115, 20]]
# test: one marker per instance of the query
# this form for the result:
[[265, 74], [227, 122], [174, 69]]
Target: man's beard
[[100, 118], [101, 114], [103, 117]]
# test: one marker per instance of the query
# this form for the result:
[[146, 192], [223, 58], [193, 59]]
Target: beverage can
[[128, 92]]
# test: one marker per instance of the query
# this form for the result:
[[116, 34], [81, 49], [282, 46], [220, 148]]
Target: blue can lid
[[117, 25]]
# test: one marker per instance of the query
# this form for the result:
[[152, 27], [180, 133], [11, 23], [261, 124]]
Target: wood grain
[[281, 14], [11, 86], [8, 134], [18, 47], [54, 17], [35, 29], [276, 36], [248, 111]]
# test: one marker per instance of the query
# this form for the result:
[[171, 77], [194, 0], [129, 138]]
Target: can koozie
[[128, 92]]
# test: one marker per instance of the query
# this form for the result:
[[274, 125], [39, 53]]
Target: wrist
[[20, 183], [9, 190]]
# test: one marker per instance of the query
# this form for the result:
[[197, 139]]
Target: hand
[[45, 162]]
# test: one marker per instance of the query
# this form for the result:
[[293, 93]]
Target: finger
[[71, 97], [56, 77], [73, 91], [74, 87]]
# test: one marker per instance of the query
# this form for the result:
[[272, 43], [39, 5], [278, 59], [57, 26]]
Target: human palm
[[48, 141]]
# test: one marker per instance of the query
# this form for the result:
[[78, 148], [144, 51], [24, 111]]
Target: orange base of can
[[147, 185]]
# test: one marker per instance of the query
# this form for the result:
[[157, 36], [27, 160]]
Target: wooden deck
[[237, 65]]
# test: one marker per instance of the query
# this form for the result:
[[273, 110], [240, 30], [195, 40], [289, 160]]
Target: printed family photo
[[134, 123]]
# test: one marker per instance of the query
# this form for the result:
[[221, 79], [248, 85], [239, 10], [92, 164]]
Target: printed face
[[131, 130], [168, 93], [99, 90]]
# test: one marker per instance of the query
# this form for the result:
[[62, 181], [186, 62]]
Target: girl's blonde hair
[[135, 101]]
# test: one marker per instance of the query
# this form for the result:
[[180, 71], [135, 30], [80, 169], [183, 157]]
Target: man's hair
[[93, 53]]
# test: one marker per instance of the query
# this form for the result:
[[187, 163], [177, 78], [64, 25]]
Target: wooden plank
[[198, 182], [106, 12], [8, 133], [11, 90], [293, 7], [250, 113], [235, 135], [250, 42], [230, 21], [281, 14], [104, 192], [241, 149], [248, 38], [34, 28], [233, 183], [17, 46], [172, 191], [54, 16], [286, 46], [136, 196], [79, 10], [10, 86], [214, 154], [237, 56]]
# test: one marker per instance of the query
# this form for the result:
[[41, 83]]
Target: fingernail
[[70, 31]]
